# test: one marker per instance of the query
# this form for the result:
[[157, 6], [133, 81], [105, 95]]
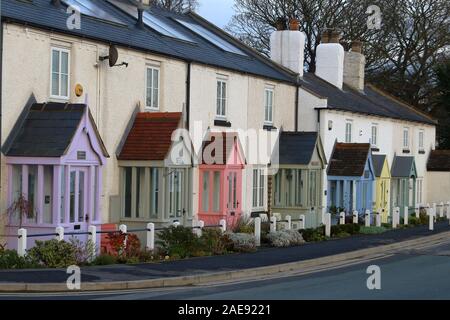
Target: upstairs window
[[268, 106], [421, 140], [152, 87], [405, 138], [60, 73], [221, 98], [374, 136], [348, 132], [258, 188]]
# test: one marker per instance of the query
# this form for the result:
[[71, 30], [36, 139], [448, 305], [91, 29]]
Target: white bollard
[[441, 210], [406, 216], [435, 210], [150, 236], [92, 238], [302, 222], [273, 224], [201, 225], [417, 210], [378, 219], [223, 225], [22, 242], [328, 225], [431, 219], [323, 215], [342, 218], [258, 231], [355, 217], [59, 233], [395, 218], [176, 224], [367, 218], [123, 229], [288, 225]]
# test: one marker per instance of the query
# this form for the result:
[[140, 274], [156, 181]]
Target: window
[[205, 192], [152, 87], [268, 106], [216, 192], [175, 196], [374, 135], [221, 98], [128, 172], [154, 192], [277, 195], [419, 191], [348, 132], [421, 140], [258, 188], [313, 188], [60, 74], [405, 138]]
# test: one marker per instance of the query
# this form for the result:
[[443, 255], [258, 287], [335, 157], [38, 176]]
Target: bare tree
[[177, 5]]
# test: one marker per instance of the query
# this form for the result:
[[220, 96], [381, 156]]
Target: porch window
[[152, 88], [312, 188], [60, 73], [205, 192], [216, 191], [278, 191], [48, 195], [154, 192], [128, 172], [140, 185], [289, 182], [268, 106], [258, 188], [175, 194], [221, 98]]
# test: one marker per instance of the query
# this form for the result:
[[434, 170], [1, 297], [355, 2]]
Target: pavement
[[189, 272]]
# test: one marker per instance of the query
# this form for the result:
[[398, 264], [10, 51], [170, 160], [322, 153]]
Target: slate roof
[[378, 163], [371, 102], [402, 167], [46, 130], [296, 148], [349, 159], [224, 144], [42, 14], [439, 160], [150, 137]]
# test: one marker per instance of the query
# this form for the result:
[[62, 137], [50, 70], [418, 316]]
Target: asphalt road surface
[[411, 274]]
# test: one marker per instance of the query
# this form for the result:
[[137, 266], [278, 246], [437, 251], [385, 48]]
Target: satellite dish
[[112, 57]]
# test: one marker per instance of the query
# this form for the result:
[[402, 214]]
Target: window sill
[[58, 99], [269, 127], [148, 109], [422, 152], [222, 123], [375, 149], [406, 151]]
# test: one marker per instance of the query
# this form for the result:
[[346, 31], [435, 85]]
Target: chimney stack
[[287, 47], [330, 58], [354, 67]]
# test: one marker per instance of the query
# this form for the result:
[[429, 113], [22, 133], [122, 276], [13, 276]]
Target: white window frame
[[222, 114], [406, 142], [268, 109], [60, 50], [259, 189], [348, 133], [152, 69], [374, 142], [421, 140]]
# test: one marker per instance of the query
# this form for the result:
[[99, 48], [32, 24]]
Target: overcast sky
[[218, 12]]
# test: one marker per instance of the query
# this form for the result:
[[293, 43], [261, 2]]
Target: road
[[406, 274]]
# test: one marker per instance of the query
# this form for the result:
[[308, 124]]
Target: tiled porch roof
[[150, 137], [349, 159], [439, 161]]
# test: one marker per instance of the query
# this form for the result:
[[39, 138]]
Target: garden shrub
[[213, 242], [178, 241], [84, 251], [285, 238], [9, 259], [313, 235], [372, 230], [53, 254], [118, 248], [244, 225], [349, 229], [104, 260], [243, 242]]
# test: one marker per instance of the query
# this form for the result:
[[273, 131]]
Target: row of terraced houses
[[143, 115]]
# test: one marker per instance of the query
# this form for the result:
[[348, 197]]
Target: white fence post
[[328, 225], [355, 217], [201, 225], [60, 233], [431, 219], [367, 218], [176, 224], [223, 225], [342, 218], [406, 216], [123, 228], [323, 215], [435, 209], [441, 210], [150, 236], [302, 222], [395, 217], [258, 231], [22, 242], [288, 223], [378, 219], [417, 211], [92, 238], [273, 224], [448, 210]]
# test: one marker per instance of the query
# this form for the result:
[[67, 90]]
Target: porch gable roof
[[379, 162], [349, 160], [297, 148], [150, 136], [403, 167], [47, 130]]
